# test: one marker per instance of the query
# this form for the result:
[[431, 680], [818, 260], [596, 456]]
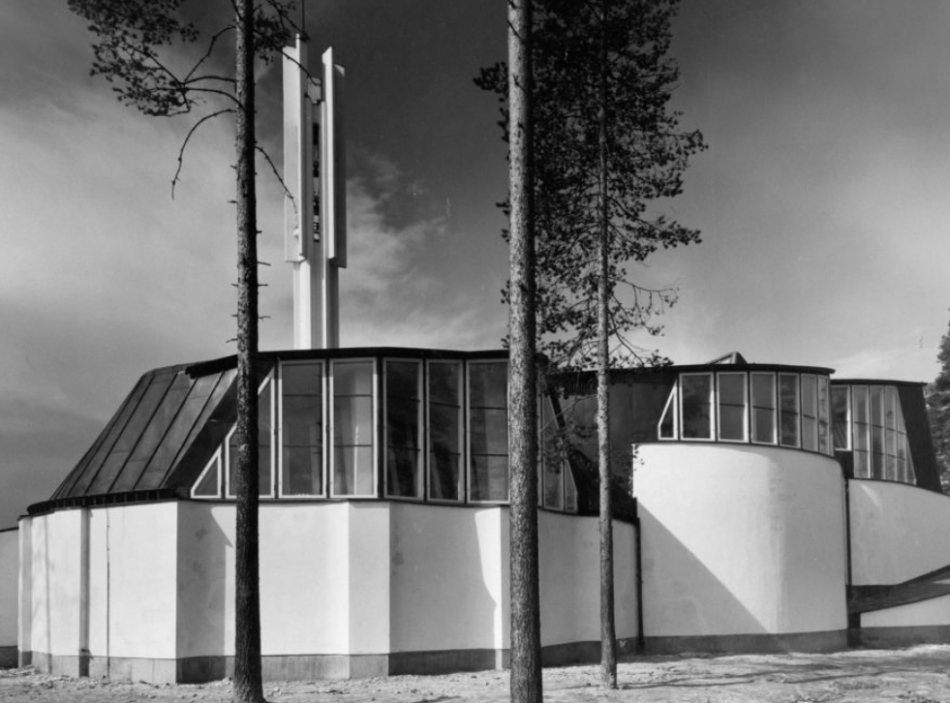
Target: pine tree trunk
[[247, 627], [522, 380], [608, 635]]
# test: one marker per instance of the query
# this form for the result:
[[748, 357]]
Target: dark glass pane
[[763, 425], [697, 396], [444, 384], [488, 385], [209, 485], [732, 422], [302, 379], [877, 451], [862, 468], [789, 416], [489, 478], [353, 378], [732, 389], [667, 422], [353, 471], [403, 428], [353, 420], [443, 475], [403, 473], [402, 379], [489, 431], [302, 471], [763, 390], [839, 416]]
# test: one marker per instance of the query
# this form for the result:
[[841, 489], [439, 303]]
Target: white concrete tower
[[315, 204]]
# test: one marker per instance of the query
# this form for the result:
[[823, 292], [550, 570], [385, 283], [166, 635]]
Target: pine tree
[[607, 148], [938, 407], [131, 39]]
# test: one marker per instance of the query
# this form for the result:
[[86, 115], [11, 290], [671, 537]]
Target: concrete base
[[826, 641], [880, 637], [314, 666], [8, 657]]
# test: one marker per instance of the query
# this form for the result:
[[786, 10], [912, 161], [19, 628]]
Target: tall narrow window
[[353, 428], [667, 425], [810, 412], [859, 424], [732, 406], [301, 400], [841, 417], [488, 431], [208, 484], [552, 459], [824, 413], [789, 418], [403, 429], [445, 430], [876, 423], [763, 408], [697, 390], [890, 434], [265, 430]]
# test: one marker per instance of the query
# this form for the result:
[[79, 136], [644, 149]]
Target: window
[[763, 408], [732, 406], [696, 403], [789, 421], [445, 430], [488, 431], [876, 425], [353, 427], [552, 459], [301, 429], [265, 430], [403, 429], [824, 413], [890, 434], [859, 435], [208, 484], [667, 428], [841, 417], [810, 412]]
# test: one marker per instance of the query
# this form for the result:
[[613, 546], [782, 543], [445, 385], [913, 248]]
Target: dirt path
[[914, 675]]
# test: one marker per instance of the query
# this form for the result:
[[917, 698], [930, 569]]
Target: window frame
[[422, 432], [269, 383], [773, 382], [746, 407], [797, 412], [469, 455], [324, 422], [710, 402], [671, 406], [216, 460], [803, 415], [331, 430]]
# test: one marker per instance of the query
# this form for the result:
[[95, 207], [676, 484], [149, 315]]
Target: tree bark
[[522, 383], [248, 686], [608, 635]]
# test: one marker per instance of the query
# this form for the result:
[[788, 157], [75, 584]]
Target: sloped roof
[[160, 438]]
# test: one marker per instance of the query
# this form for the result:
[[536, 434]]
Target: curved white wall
[[898, 532], [9, 579], [740, 540]]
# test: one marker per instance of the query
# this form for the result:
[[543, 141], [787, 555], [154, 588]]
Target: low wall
[[146, 591], [898, 532], [743, 547]]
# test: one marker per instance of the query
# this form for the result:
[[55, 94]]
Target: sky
[[822, 200]]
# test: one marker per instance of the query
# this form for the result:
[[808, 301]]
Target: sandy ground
[[914, 675]]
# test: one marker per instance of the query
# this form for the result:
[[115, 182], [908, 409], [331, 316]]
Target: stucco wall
[[448, 577], [570, 579], [928, 613], [56, 554], [740, 540], [898, 532], [132, 581], [9, 584]]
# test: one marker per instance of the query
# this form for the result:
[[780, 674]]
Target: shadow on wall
[[681, 596]]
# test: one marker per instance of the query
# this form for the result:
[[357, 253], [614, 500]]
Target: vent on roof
[[730, 358]]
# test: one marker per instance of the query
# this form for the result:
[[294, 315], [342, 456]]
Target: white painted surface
[[446, 577], [25, 587], [132, 580], [898, 532], [929, 612], [9, 586], [56, 557], [570, 578], [740, 540]]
